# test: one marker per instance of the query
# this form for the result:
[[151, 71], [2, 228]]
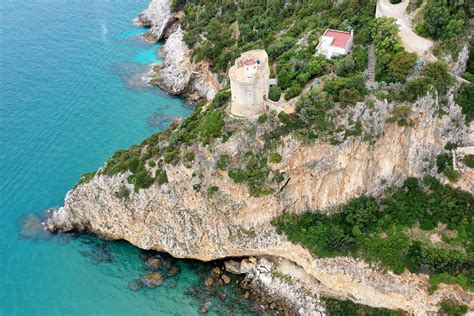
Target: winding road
[[411, 41]]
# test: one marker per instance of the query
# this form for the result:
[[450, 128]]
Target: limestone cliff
[[177, 75], [181, 218]]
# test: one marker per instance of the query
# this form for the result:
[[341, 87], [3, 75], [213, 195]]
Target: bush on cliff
[[377, 230]]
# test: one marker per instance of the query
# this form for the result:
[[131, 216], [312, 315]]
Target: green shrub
[[123, 193], [255, 175], [275, 93], [151, 163], [416, 88], [451, 174], [347, 307], [171, 155], [161, 177], [263, 118], [293, 91], [438, 72], [189, 156], [223, 162], [401, 115], [85, 178], [211, 125], [446, 278], [468, 160], [465, 99], [444, 160], [402, 65], [350, 97], [212, 190], [452, 309], [275, 158]]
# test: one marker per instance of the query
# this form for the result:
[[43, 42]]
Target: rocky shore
[[188, 223], [178, 75]]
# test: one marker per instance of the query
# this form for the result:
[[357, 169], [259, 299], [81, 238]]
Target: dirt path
[[410, 40]]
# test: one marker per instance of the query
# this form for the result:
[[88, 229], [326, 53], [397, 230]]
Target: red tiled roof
[[250, 62], [340, 38]]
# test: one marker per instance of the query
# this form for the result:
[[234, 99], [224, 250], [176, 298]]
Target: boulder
[[209, 281], [232, 266], [152, 280], [216, 271], [226, 279], [153, 263], [174, 271]]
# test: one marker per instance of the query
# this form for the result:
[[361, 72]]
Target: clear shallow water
[[70, 95]]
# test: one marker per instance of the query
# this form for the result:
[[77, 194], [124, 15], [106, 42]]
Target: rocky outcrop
[[271, 279], [459, 67], [181, 218], [178, 75], [158, 17]]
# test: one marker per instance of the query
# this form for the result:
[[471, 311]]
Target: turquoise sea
[[71, 94]]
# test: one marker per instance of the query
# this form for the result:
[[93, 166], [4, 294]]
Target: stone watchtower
[[249, 83]]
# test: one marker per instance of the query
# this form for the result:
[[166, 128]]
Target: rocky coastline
[[178, 75], [172, 218]]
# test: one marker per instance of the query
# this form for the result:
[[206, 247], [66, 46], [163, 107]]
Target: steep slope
[[182, 218]]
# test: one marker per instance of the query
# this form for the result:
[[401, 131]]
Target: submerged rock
[[135, 285], [174, 271], [153, 263], [205, 307], [152, 280], [32, 228]]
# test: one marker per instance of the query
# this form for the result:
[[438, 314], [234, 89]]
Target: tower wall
[[249, 94]]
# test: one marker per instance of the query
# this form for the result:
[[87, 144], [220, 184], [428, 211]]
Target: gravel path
[[410, 40]]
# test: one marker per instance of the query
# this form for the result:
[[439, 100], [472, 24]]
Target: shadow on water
[[134, 77], [159, 120]]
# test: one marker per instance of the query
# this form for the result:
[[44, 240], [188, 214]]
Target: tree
[[274, 93], [438, 72], [401, 65]]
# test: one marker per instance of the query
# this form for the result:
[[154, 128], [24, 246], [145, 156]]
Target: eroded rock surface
[[189, 223], [178, 75]]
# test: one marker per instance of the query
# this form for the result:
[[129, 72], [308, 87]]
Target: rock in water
[[32, 228], [152, 280], [135, 285], [232, 266], [153, 263], [226, 279], [174, 271], [205, 307], [216, 271], [209, 281]]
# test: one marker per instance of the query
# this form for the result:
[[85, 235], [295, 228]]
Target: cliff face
[[181, 218], [177, 75]]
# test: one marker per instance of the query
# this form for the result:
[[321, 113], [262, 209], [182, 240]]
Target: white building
[[335, 43], [249, 83]]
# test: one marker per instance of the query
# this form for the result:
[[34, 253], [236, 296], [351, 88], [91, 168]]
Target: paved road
[[410, 40]]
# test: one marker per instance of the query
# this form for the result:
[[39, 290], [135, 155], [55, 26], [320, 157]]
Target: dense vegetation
[[395, 231], [343, 308], [446, 21], [289, 31]]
